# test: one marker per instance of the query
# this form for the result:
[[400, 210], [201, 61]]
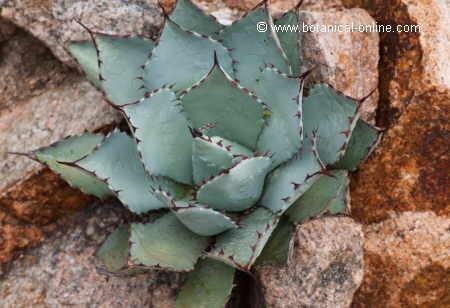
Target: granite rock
[[325, 269], [346, 60], [407, 262], [54, 21], [63, 271]]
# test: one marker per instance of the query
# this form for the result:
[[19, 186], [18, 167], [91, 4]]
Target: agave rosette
[[223, 147]]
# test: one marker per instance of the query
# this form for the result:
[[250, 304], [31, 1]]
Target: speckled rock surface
[[27, 67], [41, 101], [346, 60], [52, 21], [62, 272], [325, 270], [409, 172], [407, 262]]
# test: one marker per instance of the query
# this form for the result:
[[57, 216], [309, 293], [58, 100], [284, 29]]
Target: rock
[[407, 262], [53, 21], [15, 235], [346, 60], [41, 101], [279, 6], [325, 270], [63, 270], [27, 67], [409, 171], [70, 109]]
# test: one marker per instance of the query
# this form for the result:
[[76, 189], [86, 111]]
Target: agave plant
[[224, 151]]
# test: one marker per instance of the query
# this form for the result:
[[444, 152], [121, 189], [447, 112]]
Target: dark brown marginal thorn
[[298, 115], [296, 185], [362, 100], [195, 132], [253, 248], [286, 199], [220, 143], [258, 235], [346, 133]]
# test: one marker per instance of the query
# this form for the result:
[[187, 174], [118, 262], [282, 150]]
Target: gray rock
[[346, 60], [53, 21], [63, 271], [325, 269]]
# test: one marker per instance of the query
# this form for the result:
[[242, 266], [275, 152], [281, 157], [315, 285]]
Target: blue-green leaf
[[163, 136], [183, 58], [364, 138], [69, 150], [219, 100], [237, 189], [209, 286], [86, 56], [166, 243], [319, 197], [333, 116], [121, 66], [117, 162], [240, 247]]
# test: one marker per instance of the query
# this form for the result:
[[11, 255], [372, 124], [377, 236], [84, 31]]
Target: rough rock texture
[[52, 21], [346, 60], [41, 102], [407, 262], [410, 168], [278, 6], [325, 270], [27, 68], [63, 271], [15, 235]]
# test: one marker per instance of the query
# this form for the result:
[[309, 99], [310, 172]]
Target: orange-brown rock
[[407, 262], [406, 248], [15, 235]]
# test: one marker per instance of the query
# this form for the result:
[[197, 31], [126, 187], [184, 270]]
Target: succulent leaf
[[204, 221], [333, 116], [189, 53], [209, 159], [71, 149], [114, 251], [364, 138], [198, 218], [291, 180], [319, 197], [163, 137], [166, 243], [117, 162], [209, 286], [189, 16], [212, 155], [289, 40], [218, 99], [121, 61], [278, 248], [340, 204], [253, 49], [237, 189], [240, 247], [86, 56], [282, 136]]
